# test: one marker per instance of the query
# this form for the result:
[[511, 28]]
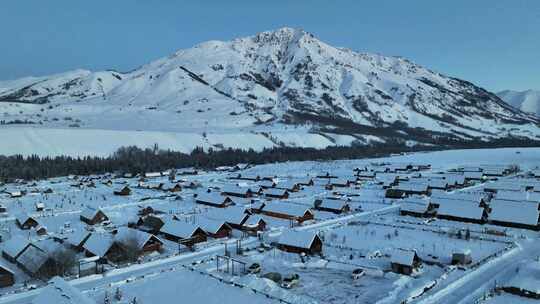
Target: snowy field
[[366, 237]]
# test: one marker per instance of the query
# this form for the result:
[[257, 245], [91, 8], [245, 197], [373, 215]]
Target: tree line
[[136, 160]]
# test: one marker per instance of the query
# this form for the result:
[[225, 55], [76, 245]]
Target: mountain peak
[[279, 36]]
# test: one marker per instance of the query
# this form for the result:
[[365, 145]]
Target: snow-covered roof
[[98, 243], [473, 175], [332, 204], [180, 229], [77, 237], [300, 239], [210, 225], [59, 291], [518, 196], [89, 213], [235, 215], [514, 212], [253, 221], [465, 210], [15, 245], [235, 189], [211, 198], [411, 186], [527, 277], [275, 192], [403, 257], [447, 201], [286, 208], [126, 234], [32, 258], [461, 195], [22, 217]]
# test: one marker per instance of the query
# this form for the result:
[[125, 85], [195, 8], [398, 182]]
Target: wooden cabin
[[123, 192], [187, 233], [286, 211], [7, 277], [334, 206], [404, 261], [301, 242], [93, 216], [25, 222], [213, 199], [276, 193]]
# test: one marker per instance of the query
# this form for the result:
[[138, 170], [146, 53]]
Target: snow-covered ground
[[366, 237]]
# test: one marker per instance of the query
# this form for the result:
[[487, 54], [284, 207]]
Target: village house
[[301, 242], [93, 216], [7, 276], [98, 244], [150, 223], [276, 193], [25, 222], [213, 199], [240, 176], [237, 191], [40, 206], [13, 248], [125, 191], [416, 208], [254, 224], [77, 239], [129, 241], [305, 181], [285, 211], [334, 206], [289, 186], [214, 228], [515, 214], [341, 182], [463, 212], [186, 233], [37, 262], [404, 261], [461, 257], [326, 175], [265, 184]]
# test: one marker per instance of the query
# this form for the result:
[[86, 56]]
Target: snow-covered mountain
[[526, 101], [285, 86]]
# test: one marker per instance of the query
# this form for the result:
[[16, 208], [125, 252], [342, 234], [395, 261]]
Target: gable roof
[[403, 257], [210, 225], [180, 229], [331, 204], [125, 234], [98, 243], [514, 212], [276, 192], [14, 246], [32, 258], [300, 239], [59, 291], [90, 213], [286, 208], [463, 210], [77, 237], [213, 198]]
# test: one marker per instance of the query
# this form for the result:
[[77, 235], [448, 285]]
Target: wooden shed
[[404, 261]]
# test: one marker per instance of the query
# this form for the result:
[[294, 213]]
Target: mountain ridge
[[275, 84]]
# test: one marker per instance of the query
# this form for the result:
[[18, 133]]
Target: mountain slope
[[527, 101], [282, 85]]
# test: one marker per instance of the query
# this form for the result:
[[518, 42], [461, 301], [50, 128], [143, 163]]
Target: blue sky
[[495, 44]]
